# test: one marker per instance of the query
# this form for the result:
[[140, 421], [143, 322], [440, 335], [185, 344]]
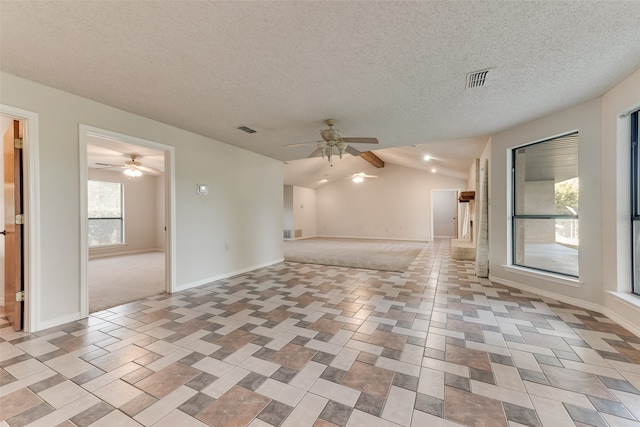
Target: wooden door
[[13, 280]]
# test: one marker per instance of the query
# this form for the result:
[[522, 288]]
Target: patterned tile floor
[[306, 345]]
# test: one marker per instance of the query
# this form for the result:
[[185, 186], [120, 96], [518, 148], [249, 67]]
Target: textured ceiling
[[391, 70]]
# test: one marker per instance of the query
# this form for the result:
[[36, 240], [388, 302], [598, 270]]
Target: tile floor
[[306, 345]]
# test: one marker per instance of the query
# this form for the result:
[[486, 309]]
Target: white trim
[[549, 138], [543, 275], [211, 279], [138, 251], [169, 174], [31, 199], [400, 239], [109, 246], [59, 321], [628, 299], [633, 328], [2, 302]]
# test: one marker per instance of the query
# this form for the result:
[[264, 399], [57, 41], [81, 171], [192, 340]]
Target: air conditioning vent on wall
[[477, 78]]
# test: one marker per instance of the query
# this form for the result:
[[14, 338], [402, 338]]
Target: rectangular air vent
[[246, 129], [477, 78]]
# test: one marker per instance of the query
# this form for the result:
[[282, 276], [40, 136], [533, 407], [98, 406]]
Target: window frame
[[515, 216], [122, 241], [635, 198]]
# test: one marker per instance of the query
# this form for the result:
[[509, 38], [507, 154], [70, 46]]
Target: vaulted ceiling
[[391, 70]]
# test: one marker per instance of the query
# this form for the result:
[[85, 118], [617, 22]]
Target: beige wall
[[304, 210], [396, 205], [235, 228], [604, 260], [586, 118], [615, 209], [140, 212]]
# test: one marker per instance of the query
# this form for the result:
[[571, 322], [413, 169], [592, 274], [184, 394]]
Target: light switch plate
[[202, 189]]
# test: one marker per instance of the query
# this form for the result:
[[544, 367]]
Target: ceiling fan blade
[[301, 143], [361, 140], [352, 151], [107, 165], [316, 152], [152, 171]]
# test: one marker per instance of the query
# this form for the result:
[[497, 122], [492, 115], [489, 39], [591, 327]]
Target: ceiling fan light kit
[[332, 138], [132, 168], [132, 172]]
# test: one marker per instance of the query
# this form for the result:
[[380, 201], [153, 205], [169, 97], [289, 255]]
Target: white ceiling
[[391, 70], [112, 152]]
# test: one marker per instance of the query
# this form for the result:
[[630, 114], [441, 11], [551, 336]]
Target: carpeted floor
[[118, 280], [374, 254]]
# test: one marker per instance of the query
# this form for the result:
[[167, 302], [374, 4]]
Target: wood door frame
[[170, 209], [31, 206]]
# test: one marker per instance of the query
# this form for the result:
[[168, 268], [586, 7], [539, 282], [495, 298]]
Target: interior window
[[545, 227], [106, 225]]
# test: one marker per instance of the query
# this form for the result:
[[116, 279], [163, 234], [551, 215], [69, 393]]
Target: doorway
[[12, 227], [20, 290], [444, 212], [126, 200]]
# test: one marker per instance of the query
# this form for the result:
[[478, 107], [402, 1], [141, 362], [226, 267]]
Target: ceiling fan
[[359, 177], [132, 168], [334, 143]]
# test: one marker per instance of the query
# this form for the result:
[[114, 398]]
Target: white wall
[[287, 217], [616, 272], [243, 211], [140, 211], [396, 205], [605, 240], [160, 230], [304, 211], [586, 118]]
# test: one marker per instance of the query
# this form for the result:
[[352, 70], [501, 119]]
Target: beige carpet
[[121, 279], [386, 255]]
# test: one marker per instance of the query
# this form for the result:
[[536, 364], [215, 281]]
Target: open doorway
[[126, 205], [20, 290]]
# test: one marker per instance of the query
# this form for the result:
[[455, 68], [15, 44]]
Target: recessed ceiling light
[[427, 157], [324, 181], [433, 170], [358, 179]]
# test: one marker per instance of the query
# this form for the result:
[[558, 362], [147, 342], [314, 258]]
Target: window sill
[[115, 246], [556, 278], [627, 298]]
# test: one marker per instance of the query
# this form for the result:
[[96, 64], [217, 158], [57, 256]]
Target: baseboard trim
[[300, 238], [634, 329], [211, 279], [374, 238], [56, 322], [139, 251]]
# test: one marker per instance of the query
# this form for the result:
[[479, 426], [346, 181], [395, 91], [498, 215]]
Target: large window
[[106, 225], [545, 233], [635, 201]]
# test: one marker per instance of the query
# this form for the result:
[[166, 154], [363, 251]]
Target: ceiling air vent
[[247, 129], [477, 78]]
